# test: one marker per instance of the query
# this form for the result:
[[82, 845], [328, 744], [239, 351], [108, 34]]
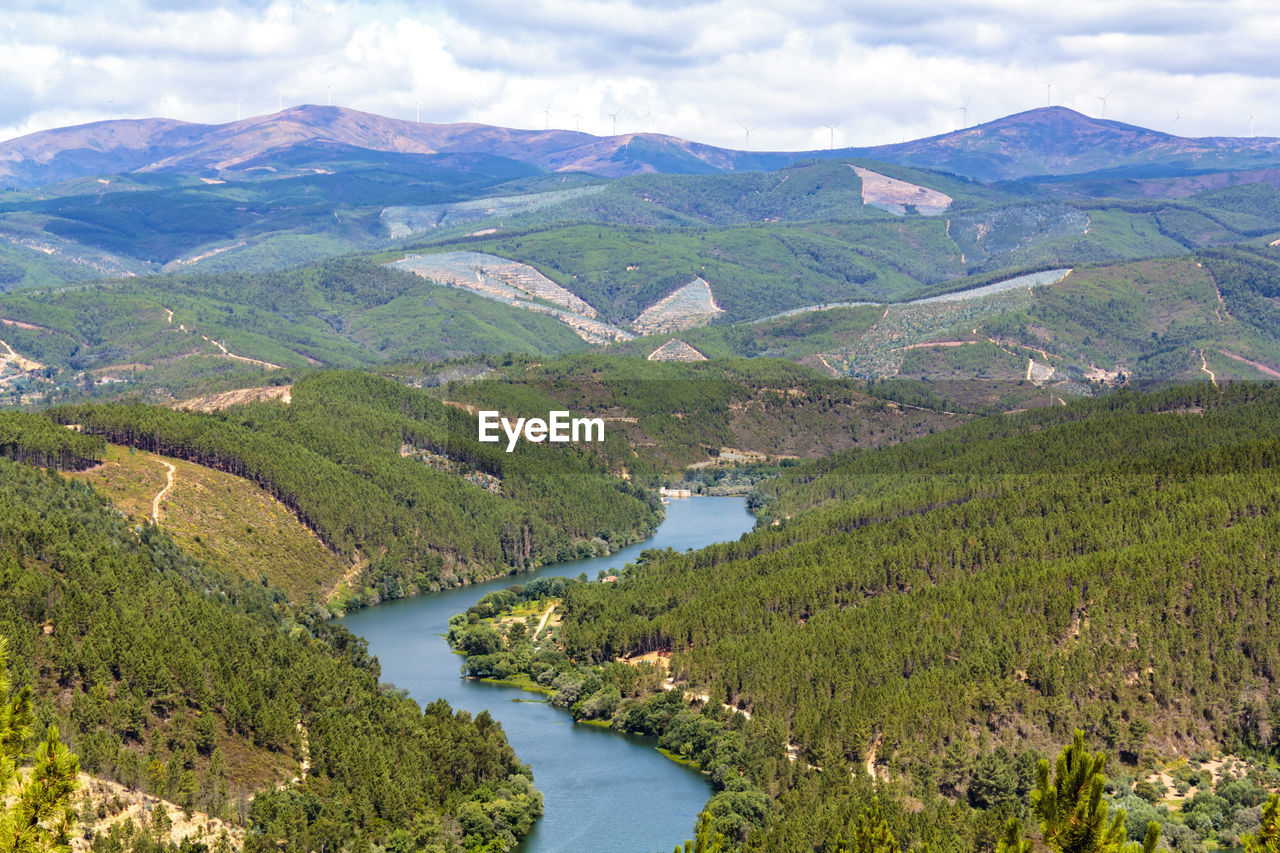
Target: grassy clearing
[[221, 519]]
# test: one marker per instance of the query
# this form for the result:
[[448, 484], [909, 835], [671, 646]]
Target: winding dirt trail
[[268, 365], [1204, 365], [155, 502]]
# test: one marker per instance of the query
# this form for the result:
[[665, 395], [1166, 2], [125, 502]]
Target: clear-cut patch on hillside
[[894, 195], [403, 220], [515, 284], [689, 307], [217, 402], [676, 350]]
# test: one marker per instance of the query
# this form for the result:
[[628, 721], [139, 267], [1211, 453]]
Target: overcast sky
[[882, 70]]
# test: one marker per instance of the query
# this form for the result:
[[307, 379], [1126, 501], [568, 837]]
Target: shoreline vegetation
[[499, 637], [1084, 526]]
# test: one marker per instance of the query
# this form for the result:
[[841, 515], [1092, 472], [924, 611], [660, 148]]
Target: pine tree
[[1267, 839], [1072, 815], [871, 833], [36, 812], [706, 840]]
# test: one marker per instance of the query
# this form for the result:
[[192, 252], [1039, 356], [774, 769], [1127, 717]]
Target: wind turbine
[[330, 89], [965, 109], [1048, 94], [614, 116], [547, 117], [475, 105], [279, 101], [577, 122], [832, 127], [419, 113], [1103, 98], [238, 102], [748, 130], [648, 127], [1251, 125]]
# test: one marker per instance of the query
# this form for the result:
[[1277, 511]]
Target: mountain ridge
[[151, 145], [1043, 142]]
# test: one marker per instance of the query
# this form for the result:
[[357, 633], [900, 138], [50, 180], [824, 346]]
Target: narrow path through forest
[[1204, 365], [155, 502]]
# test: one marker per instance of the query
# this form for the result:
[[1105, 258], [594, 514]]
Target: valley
[[918, 460]]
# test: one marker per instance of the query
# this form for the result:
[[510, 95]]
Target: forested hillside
[[170, 678], [391, 478], [662, 418], [177, 335], [936, 611]]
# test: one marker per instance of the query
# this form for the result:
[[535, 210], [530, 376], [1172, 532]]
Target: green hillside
[[943, 612], [181, 682], [121, 336], [390, 477]]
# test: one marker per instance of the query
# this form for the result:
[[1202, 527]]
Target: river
[[604, 792]]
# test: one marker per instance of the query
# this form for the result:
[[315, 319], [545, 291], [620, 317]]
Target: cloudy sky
[[880, 70]]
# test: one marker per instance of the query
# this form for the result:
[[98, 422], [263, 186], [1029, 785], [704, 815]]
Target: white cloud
[[884, 69]]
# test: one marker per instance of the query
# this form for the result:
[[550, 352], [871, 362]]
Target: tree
[[706, 840], [1072, 815], [36, 813], [1267, 838], [871, 834]]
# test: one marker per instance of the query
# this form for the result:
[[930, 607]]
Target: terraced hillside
[[685, 308], [1146, 321]]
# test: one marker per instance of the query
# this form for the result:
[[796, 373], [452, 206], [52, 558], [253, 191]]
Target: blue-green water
[[604, 792]]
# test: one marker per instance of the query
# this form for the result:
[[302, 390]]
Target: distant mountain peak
[[1054, 141]]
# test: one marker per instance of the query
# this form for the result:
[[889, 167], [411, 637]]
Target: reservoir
[[603, 791]]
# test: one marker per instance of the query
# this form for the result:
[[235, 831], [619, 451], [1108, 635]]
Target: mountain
[[1052, 141], [151, 145], [1058, 141]]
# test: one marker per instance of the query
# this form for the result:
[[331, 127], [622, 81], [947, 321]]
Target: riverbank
[[603, 790], [503, 644], [345, 600]]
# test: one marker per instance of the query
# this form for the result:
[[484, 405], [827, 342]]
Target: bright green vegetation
[[175, 679], [1071, 811], [1267, 839], [342, 314], [36, 812], [390, 476], [942, 609]]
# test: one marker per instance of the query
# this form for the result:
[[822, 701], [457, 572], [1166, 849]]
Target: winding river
[[604, 792]]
